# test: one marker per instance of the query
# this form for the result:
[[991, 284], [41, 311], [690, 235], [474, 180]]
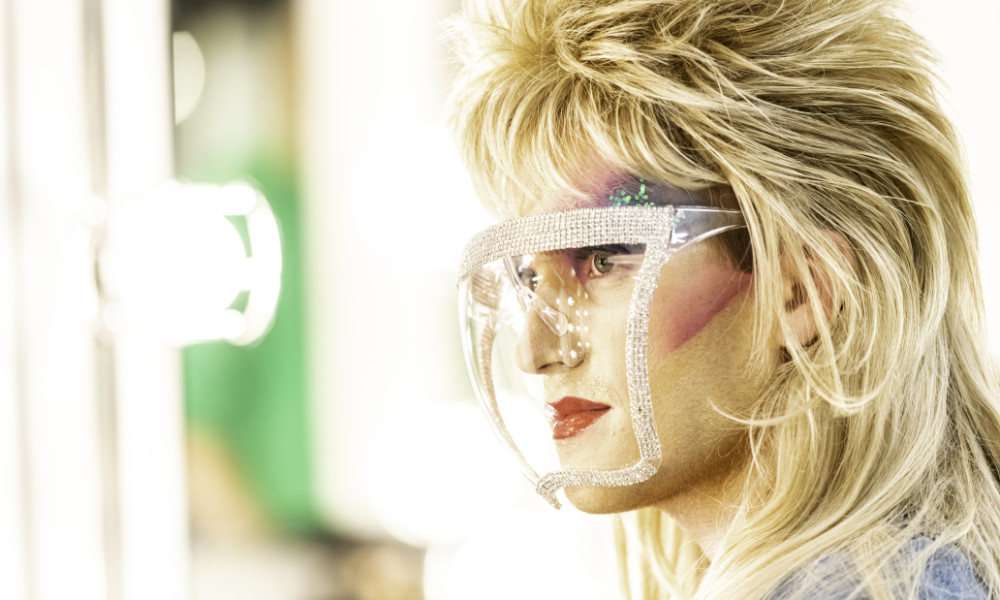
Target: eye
[[528, 277], [595, 262], [600, 264]]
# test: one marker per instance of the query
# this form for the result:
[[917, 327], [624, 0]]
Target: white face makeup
[[555, 311]]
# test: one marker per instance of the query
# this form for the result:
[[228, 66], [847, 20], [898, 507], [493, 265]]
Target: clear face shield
[[554, 314]]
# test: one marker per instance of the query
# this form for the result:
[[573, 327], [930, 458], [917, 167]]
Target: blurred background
[[229, 358]]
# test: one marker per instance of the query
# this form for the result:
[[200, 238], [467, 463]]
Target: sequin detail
[[624, 197]]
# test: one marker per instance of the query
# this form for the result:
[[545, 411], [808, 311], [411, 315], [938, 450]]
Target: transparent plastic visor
[[554, 319]]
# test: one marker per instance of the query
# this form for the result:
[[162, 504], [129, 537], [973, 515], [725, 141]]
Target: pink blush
[[689, 305]]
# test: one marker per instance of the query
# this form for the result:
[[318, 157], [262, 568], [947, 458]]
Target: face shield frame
[[663, 231]]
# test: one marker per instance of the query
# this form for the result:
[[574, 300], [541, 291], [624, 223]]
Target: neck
[[706, 511]]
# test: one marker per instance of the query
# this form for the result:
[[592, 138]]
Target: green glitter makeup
[[624, 197]]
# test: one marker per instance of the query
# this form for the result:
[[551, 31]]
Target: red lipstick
[[571, 415]]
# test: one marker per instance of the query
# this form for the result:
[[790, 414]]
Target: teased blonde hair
[[821, 116]]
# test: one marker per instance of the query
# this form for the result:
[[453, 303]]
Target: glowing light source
[[177, 265]]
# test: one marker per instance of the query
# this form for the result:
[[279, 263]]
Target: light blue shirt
[[948, 576]]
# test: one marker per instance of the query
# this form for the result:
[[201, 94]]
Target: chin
[[602, 500]]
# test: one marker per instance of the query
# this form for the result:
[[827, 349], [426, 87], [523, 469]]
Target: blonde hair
[[820, 116]]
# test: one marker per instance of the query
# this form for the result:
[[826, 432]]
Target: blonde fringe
[[819, 116]]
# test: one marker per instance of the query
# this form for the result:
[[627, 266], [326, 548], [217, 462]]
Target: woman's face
[[700, 328]]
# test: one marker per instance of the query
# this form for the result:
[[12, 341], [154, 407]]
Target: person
[[735, 275]]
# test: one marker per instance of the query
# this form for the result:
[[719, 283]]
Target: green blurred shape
[[254, 398]]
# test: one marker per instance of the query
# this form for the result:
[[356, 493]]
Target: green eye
[[599, 263]]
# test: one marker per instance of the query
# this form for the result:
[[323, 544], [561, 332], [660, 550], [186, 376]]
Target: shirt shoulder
[[948, 576]]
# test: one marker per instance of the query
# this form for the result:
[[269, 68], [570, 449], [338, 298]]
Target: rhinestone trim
[[569, 229], [637, 378]]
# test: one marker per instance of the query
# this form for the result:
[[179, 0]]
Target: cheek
[[686, 308]]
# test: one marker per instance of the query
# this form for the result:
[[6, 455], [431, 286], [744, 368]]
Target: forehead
[[618, 190]]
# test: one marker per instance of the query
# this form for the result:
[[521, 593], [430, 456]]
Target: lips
[[571, 415]]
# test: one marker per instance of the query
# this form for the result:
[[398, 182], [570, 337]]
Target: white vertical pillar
[[13, 546], [150, 427], [91, 439], [53, 368]]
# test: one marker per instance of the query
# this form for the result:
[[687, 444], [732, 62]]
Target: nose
[[541, 348]]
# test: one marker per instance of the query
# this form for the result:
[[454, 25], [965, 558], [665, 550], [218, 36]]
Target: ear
[[798, 311]]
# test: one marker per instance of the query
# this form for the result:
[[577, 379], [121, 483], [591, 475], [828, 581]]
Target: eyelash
[[585, 256]]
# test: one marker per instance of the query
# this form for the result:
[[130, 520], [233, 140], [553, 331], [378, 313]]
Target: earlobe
[[800, 316], [798, 310]]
